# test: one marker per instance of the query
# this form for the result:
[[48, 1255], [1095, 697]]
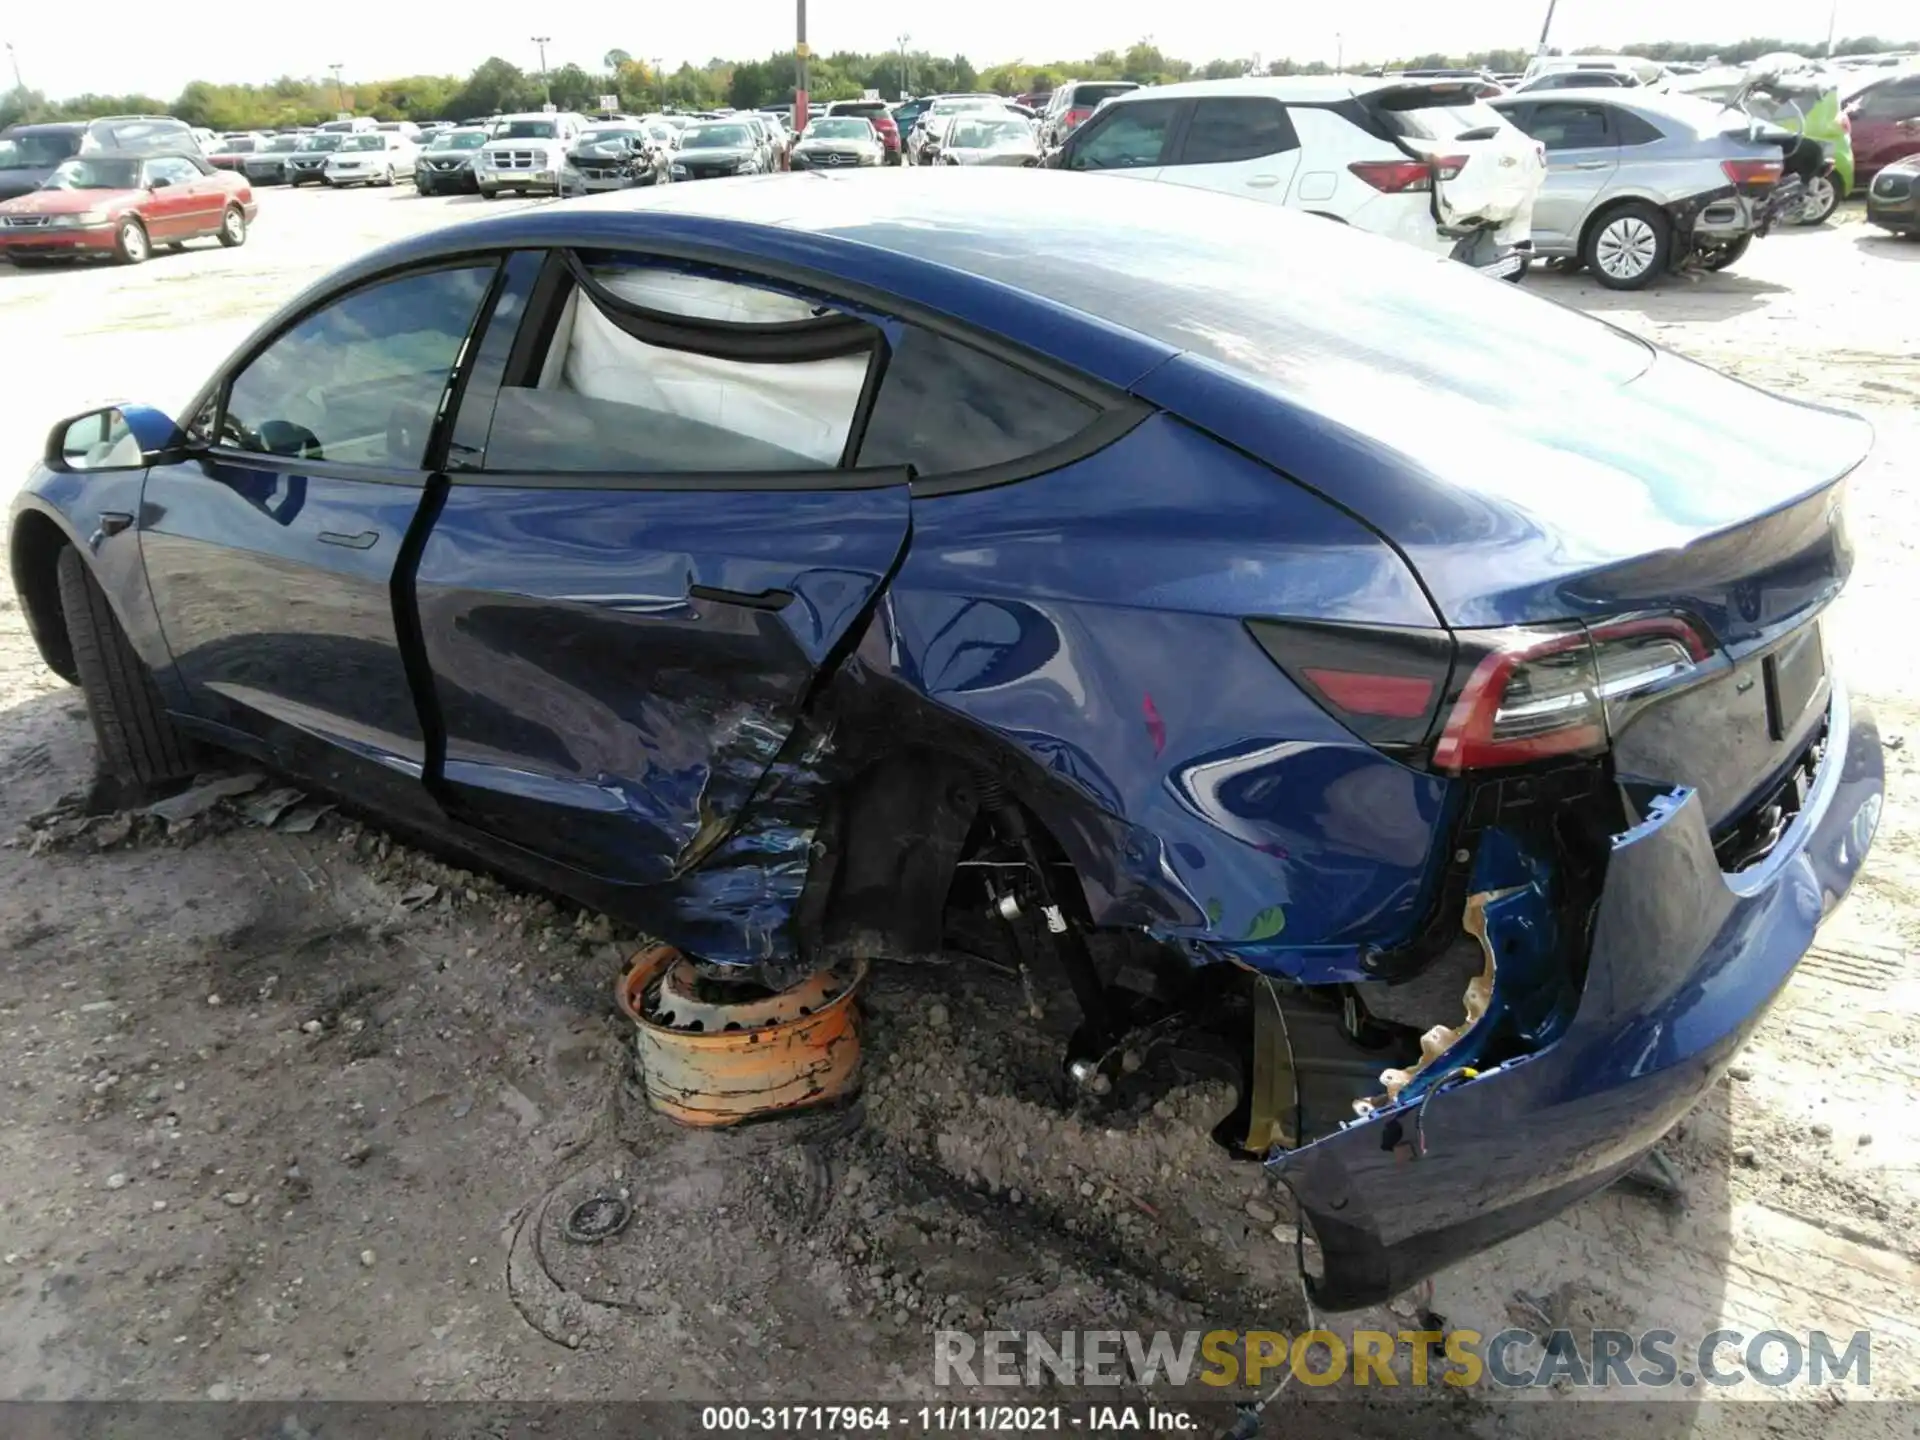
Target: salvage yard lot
[[294, 1114]]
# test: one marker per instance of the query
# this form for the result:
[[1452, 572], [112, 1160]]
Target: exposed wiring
[[1445, 1082]]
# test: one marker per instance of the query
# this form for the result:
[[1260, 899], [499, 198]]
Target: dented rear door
[[625, 595]]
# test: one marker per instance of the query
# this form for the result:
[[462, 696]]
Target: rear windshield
[[237, 147], [1093, 94]]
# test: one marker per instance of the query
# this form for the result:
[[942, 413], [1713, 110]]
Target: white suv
[[526, 153], [1424, 161]]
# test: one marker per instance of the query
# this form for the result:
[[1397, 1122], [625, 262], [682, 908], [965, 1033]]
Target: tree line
[[498, 86]]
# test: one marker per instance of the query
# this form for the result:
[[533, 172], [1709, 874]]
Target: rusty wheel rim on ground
[[709, 1060]]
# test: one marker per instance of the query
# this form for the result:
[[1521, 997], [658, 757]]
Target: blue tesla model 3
[[1417, 686]]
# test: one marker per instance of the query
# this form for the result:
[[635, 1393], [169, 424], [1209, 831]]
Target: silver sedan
[[1640, 183], [990, 140]]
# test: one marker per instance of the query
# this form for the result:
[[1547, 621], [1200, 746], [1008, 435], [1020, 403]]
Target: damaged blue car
[[1414, 688]]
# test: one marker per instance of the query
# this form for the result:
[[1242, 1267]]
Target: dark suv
[[29, 153]]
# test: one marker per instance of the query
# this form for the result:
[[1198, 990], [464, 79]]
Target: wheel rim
[[134, 241], [1626, 248], [1822, 196], [236, 225]]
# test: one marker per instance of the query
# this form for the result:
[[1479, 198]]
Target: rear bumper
[[1685, 962]]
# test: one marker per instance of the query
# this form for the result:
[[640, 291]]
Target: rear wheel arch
[[35, 559]]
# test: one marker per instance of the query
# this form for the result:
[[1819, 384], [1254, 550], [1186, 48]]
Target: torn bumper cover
[[1685, 961]]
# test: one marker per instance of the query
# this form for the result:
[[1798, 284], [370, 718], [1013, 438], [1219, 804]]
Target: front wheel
[[130, 245], [1720, 257], [1627, 248], [138, 743], [233, 227], [1823, 198]]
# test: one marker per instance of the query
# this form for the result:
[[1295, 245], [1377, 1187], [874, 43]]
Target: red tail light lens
[[1535, 694], [1077, 116], [1752, 174], [1508, 697], [1405, 177]]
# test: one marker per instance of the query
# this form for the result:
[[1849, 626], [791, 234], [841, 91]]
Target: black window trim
[[1611, 132], [1120, 411]]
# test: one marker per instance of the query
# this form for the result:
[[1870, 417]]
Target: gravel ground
[[296, 1112]]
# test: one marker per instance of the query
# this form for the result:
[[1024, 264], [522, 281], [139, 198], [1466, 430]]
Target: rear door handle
[[751, 599], [1263, 182], [1593, 164], [365, 540]]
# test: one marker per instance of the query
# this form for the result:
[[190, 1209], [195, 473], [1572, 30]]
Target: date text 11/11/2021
[[946, 1419]]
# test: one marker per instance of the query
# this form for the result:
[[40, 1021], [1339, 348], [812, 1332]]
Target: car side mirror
[[116, 437]]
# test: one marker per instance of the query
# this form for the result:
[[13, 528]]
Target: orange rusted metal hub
[[709, 1059]]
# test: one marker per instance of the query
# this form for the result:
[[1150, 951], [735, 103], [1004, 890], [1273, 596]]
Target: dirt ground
[[295, 1114]]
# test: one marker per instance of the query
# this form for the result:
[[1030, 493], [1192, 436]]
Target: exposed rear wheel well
[[37, 543]]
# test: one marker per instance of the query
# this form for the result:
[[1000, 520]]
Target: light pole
[[1833, 19], [1545, 26], [905, 87], [660, 78], [339, 90], [1339, 53], [21, 85], [546, 85], [800, 67]]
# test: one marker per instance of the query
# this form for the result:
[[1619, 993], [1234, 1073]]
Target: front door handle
[[1263, 182], [112, 522], [365, 540], [1593, 165], [751, 599]]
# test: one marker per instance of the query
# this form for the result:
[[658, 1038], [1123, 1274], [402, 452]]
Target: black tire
[[1628, 247], [233, 227], [138, 743], [1725, 255]]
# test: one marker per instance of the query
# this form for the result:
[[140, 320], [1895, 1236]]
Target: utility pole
[[21, 85], [546, 84], [1545, 26], [660, 79], [339, 90], [1833, 19], [1339, 53], [800, 68], [906, 87]]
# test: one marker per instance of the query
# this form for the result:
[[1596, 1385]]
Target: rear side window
[[1231, 128], [1127, 137], [1569, 125], [945, 407], [659, 372], [1632, 129]]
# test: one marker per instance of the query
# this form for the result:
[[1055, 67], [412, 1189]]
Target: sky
[[152, 51]]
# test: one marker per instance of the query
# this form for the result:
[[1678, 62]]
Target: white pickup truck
[[526, 153]]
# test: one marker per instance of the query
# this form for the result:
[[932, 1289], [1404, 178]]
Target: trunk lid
[[1500, 169]]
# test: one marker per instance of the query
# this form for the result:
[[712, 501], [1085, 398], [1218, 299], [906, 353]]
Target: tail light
[[1508, 697], [1406, 177], [1752, 175], [1534, 694], [1077, 116]]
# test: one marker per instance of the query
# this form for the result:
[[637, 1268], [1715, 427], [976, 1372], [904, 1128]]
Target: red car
[[1886, 125], [122, 205]]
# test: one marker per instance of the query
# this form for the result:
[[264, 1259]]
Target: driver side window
[[1132, 137], [359, 381]]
